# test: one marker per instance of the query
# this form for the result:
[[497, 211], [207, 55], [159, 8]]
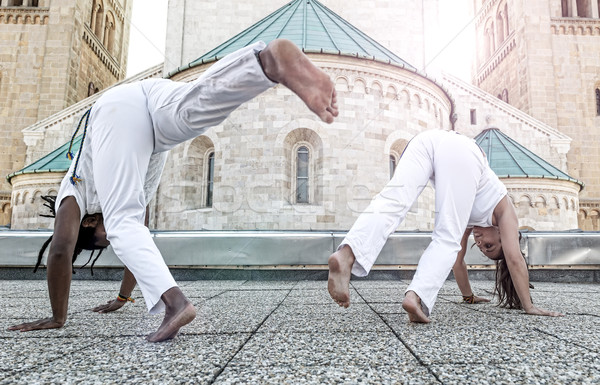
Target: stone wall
[[26, 202], [47, 61], [544, 204]]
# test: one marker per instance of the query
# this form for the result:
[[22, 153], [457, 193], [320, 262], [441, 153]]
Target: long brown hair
[[504, 287]]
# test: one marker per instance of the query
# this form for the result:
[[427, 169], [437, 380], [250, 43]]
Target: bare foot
[[179, 312], [412, 305], [284, 63], [340, 268]]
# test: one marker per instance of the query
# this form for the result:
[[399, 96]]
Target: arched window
[[98, 27], [302, 165], [500, 28], [109, 32], [598, 101], [210, 175], [91, 89], [393, 163], [506, 27], [504, 95]]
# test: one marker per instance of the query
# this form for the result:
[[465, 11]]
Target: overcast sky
[[149, 26]]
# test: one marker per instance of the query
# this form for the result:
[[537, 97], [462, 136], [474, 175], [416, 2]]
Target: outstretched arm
[[507, 222], [461, 275], [59, 270]]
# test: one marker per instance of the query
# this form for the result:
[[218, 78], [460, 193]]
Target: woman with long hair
[[469, 198]]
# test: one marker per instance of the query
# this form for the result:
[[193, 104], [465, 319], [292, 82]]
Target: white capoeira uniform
[[129, 127], [466, 193]]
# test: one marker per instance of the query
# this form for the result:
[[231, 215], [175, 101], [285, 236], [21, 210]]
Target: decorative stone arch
[[501, 23], [489, 38], [24, 198], [593, 218], [359, 86], [391, 92], [293, 141], [525, 201], [553, 203], [573, 205], [376, 88], [565, 204], [109, 32], [416, 101], [540, 201], [34, 197], [97, 19], [404, 98], [342, 84], [427, 105]]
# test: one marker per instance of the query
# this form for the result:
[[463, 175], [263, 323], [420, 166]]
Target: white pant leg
[[121, 140], [388, 209], [185, 113], [458, 168]]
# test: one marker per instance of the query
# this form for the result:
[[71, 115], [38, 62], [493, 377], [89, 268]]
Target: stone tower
[[53, 54], [541, 56]]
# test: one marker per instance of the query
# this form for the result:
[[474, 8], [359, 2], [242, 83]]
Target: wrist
[[122, 298], [469, 298]]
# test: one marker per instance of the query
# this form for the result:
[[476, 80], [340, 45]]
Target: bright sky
[[147, 37], [453, 50]]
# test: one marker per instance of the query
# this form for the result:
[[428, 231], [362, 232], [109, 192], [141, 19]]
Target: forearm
[[461, 275], [128, 283], [59, 274], [520, 278]]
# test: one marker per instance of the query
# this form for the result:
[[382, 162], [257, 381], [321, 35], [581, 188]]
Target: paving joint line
[[221, 370], [564, 339], [414, 354]]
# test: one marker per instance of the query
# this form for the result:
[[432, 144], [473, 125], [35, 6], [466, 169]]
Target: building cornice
[[24, 15]]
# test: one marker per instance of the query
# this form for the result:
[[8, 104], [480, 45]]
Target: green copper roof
[[56, 161], [312, 27], [509, 159]]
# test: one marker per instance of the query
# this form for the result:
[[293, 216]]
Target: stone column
[[595, 13]]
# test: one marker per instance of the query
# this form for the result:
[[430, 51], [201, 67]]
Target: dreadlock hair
[[86, 239], [504, 287]]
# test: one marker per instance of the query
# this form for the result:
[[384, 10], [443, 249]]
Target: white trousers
[[122, 136], [455, 165]]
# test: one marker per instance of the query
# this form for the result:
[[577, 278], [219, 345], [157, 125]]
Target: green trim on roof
[[312, 27], [509, 159], [56, 161]]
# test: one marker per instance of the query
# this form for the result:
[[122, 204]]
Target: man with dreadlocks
[[103, 191]]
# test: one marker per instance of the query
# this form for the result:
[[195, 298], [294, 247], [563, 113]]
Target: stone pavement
[[290, 332]]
